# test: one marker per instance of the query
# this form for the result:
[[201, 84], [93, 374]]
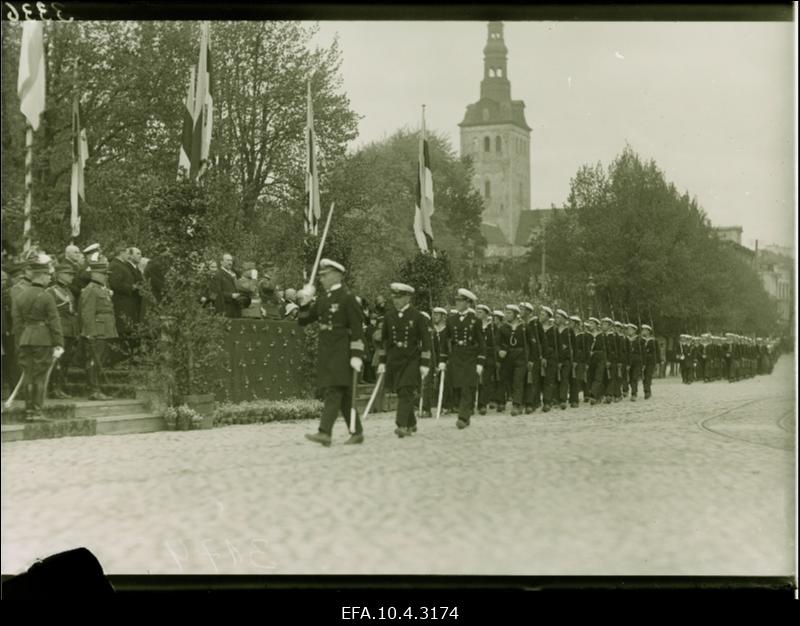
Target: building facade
[[495, 135]]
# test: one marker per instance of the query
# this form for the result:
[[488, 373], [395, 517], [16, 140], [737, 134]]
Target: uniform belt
[[462, 343], [401, 344]]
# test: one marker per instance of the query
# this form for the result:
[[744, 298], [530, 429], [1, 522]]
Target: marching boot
[[633, 398], [482, 410], [515, 411], [563, 406], [355, 439], [402, 431], [546, 408], [319, 437], [461, 424]]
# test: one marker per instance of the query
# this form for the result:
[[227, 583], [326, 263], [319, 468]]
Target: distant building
[[496, 136], [729, 233], [777, 275], [779, 250], [529, 228]]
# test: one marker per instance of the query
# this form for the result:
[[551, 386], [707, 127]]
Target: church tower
[[496, 136]]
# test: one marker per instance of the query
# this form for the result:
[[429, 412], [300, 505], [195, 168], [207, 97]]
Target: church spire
[[495, 84]]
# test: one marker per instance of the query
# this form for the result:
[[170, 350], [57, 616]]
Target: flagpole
[[26, 230]]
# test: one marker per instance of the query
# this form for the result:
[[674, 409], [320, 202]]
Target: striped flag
[[31, 80], [312, 176], [80, 153], [424, 200], [185, 158], [203, 109]]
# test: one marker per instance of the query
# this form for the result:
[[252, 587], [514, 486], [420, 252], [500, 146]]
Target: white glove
[[423, 371], [381, 368], [235, 296], [502, 354], [306, 294], [57, 352], [442, 366], [479, 369], [356, 363]]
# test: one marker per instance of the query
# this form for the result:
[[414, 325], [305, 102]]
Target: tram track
[[704, 424]]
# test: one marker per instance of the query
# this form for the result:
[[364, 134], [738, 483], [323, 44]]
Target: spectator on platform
[[125, 281], [228, 300]]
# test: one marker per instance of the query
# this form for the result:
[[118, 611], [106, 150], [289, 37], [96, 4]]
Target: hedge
[[263, 411]]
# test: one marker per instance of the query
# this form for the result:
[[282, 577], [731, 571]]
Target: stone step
[[116, 376], [128, 424], [81, 389], [108, 408]]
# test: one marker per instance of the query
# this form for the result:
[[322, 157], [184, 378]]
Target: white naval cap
[[513, 307], [483, 307], [562, 313], [547, 310], [466, 294], [440, 309], [326, 265], [401, 288]]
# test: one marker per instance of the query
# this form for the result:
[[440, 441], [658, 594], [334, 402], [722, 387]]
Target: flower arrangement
[[182, 418], [263, 411]]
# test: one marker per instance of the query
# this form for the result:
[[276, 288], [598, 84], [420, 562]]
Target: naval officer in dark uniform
[[341, 346], [404, 354], [463, 353]]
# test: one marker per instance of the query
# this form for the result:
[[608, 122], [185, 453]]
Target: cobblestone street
[[699, 480]]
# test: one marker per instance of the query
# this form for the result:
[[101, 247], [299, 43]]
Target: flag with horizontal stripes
[[31, 79], [80, 153], [312, 176], [185, 157], [203, 109], [424, 198]]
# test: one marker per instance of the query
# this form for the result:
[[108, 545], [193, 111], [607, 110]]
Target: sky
[[712, 103]]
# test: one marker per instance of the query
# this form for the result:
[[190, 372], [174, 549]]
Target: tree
[[374, 190], [132, 79], [650, 248]]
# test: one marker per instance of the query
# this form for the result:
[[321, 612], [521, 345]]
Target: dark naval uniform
[[636, 362], [515, 364], [431, 384], [624, 363], [580, 365], [490, 381], [597, 365], [535, 378], [612, 374], [37, 328], [68, 313], [98, 328], [462, 350], [685, 361], [405, 347], [340, 338], [651, 359]]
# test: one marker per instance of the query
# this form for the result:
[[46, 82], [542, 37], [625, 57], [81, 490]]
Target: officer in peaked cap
[[463, 354], [67, 307], [97, 324], [341, 346], [404, 354], [38, 334]]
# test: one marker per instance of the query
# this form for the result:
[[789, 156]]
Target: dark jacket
[[224, 302], [405, 346], [463, 349], [340, 335], [124, 281], [97, 312]]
